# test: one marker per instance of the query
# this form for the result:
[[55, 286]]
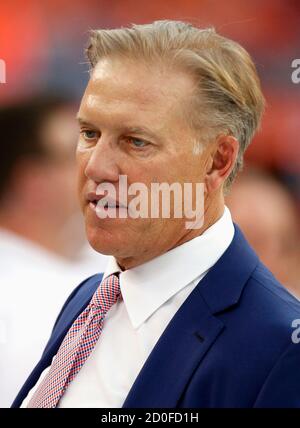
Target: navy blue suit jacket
[[229, 344]]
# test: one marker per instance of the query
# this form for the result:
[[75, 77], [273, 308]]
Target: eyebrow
[[141, 130], [84, 122]]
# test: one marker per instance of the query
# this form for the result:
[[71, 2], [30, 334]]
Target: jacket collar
[[193, 330], [223, 285], [147, 287]]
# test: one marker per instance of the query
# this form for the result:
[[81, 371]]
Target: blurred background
[[42, 44]]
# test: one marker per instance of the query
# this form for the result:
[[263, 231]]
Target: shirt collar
[[147, 287]]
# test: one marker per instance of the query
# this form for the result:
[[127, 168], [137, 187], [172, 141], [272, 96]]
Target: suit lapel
[[193, 330], [176, 355]]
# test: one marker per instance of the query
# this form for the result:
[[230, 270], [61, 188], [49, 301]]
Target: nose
[[102, 165]]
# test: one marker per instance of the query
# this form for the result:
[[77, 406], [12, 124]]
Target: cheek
[[152, 172], [193, 169]]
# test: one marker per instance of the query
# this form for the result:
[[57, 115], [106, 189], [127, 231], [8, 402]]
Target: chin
[[107, 241], [115, 237], [101, 241]]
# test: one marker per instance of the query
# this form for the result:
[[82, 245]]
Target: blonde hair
[[227, 97]]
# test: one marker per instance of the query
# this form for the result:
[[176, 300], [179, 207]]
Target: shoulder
[[261, 326], [79, 298], [86, 288], [268, 292], [268, 314], [278, 314]]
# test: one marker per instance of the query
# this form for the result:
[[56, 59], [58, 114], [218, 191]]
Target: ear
[[222, 161]]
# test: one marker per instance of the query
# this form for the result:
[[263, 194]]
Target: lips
[[107, 202]]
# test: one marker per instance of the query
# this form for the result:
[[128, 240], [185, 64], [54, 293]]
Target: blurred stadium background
[[43, 43]]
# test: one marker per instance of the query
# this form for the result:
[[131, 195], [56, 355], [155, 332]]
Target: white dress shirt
[[151, 295], [34, 284]]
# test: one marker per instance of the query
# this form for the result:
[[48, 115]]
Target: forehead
[[127, 88]]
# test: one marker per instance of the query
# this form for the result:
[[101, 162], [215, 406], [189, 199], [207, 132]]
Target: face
[[133, 122]]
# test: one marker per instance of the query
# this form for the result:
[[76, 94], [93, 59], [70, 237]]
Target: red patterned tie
[[77, 345]]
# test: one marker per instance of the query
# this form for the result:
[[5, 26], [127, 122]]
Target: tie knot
[[107, 293]]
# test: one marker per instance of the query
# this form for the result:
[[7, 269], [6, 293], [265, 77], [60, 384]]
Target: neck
[[213, 211]]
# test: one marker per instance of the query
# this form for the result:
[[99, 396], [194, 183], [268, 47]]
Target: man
[[182, 317], [267, 213], [39, 234]]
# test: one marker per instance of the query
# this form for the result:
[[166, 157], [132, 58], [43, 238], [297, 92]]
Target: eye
[[88, 134], [137, 142]]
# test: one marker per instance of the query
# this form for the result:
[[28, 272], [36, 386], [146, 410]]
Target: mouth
[[102, 203], [97, 202]]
